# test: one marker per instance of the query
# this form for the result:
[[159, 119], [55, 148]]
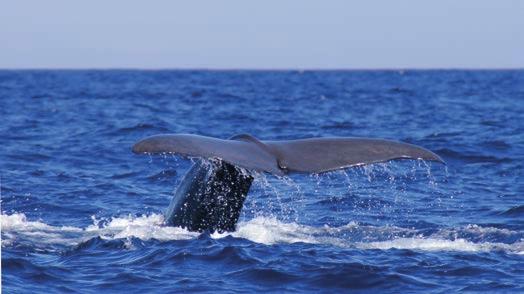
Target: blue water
[[81, 212]]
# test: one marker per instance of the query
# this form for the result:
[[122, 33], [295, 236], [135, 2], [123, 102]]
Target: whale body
[[212, 193]]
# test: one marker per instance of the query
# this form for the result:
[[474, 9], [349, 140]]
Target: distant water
[[80, 212]]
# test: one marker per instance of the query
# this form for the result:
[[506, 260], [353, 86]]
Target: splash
[[16, 228], [435, 244]]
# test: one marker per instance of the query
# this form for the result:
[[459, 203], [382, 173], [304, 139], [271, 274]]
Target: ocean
[[81, 213]]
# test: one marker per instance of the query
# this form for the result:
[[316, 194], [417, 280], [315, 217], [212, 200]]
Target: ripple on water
[[396, 227]]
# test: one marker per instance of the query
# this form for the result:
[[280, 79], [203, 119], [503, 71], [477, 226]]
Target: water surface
[[80, 212]]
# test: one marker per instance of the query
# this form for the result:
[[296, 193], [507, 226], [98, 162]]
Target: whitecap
[[264, 230]]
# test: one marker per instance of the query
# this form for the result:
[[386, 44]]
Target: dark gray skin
[[209, 198], [211, 195]]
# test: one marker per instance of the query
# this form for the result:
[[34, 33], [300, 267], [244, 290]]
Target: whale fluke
[[211, 195], [318, 155], [315, 155]]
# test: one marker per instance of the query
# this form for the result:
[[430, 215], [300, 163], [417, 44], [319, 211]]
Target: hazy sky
[[262, 34]]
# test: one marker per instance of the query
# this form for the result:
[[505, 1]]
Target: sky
[[269, 34]]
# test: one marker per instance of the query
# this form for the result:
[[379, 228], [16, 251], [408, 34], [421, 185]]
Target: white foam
[[264, 230], [476, 229], [143, 227], [433, 244], [19, 222], [271, 231], [17, 227]]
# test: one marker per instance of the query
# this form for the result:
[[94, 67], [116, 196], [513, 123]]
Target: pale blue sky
[[263, 34]]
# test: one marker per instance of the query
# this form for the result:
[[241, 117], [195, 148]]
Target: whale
[[211, 195]]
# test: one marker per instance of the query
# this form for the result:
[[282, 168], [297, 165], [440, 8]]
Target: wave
[[16, 228], [434, 244]]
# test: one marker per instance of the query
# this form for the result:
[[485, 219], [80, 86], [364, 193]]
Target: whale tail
[[211, 195], [209, 198], [315, 155]]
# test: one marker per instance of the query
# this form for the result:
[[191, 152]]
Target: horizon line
[[260, 69]]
